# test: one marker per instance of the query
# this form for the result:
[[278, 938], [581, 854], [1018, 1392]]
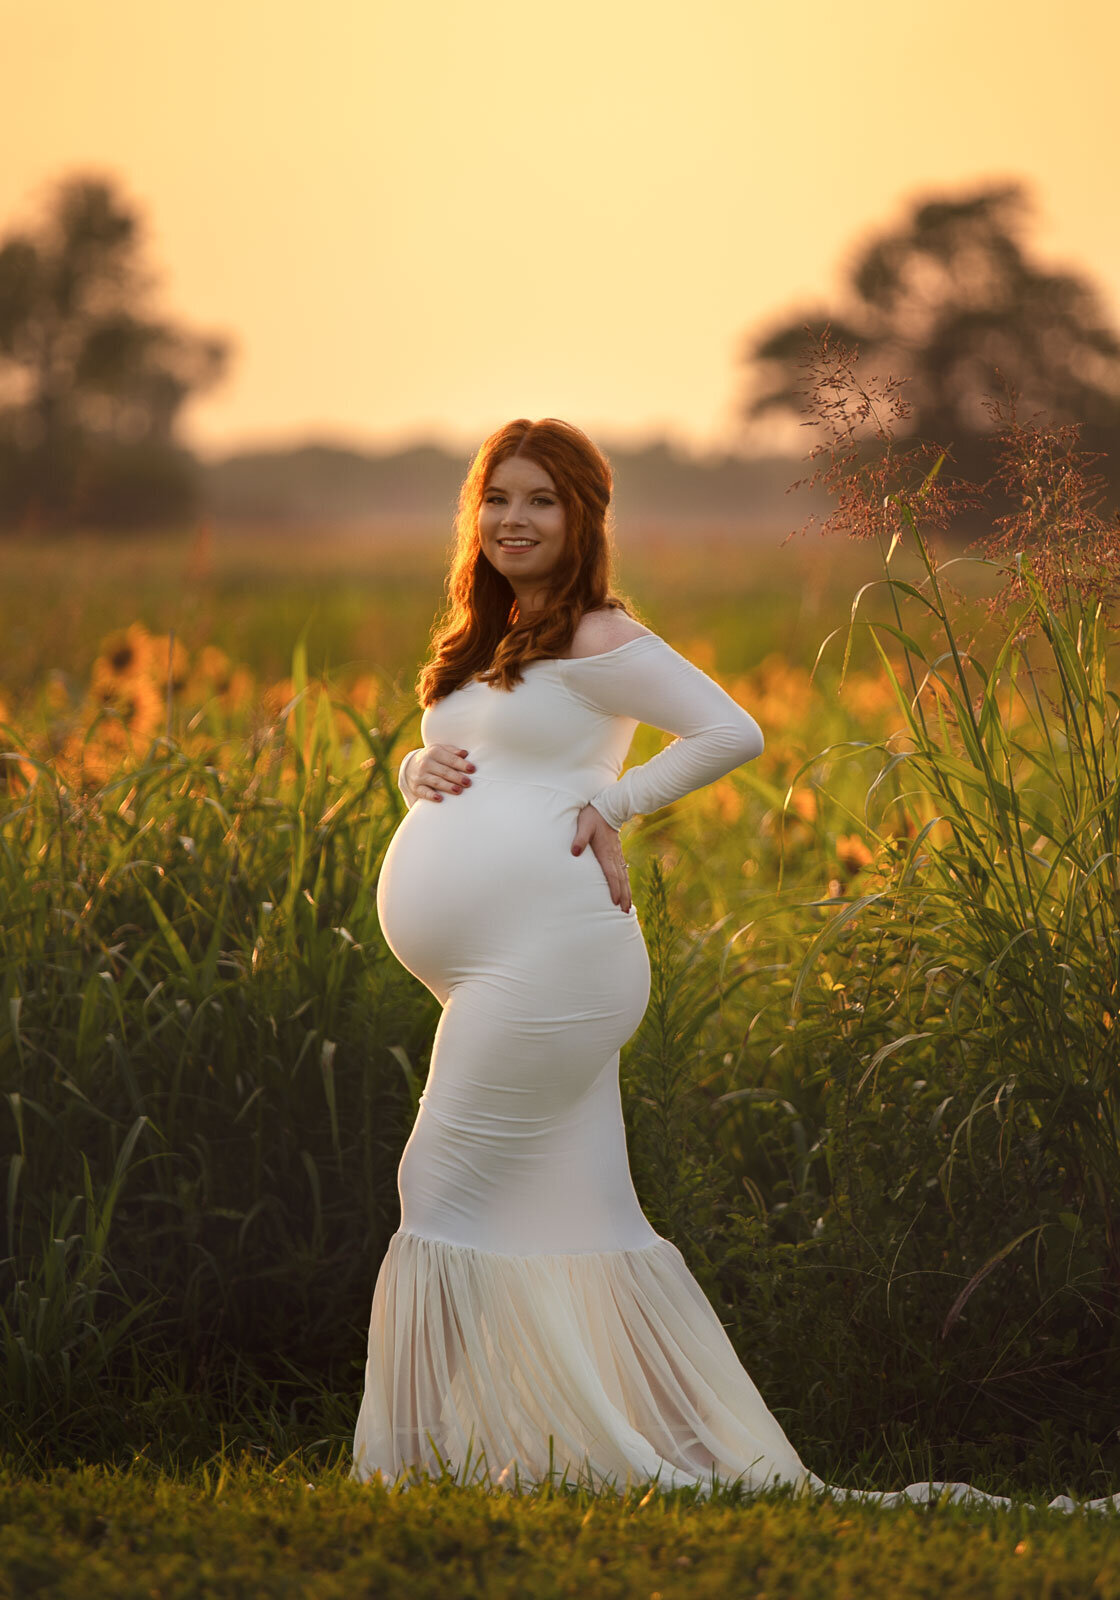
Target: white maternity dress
[[526, 1317]]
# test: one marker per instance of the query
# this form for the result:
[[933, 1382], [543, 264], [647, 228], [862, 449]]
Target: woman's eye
[[492, 499]]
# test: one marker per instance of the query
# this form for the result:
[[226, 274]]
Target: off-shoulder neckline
[[567, 661], [599, 654]]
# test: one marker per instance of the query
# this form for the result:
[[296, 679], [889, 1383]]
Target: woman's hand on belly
[[440, 769], [593, 829]]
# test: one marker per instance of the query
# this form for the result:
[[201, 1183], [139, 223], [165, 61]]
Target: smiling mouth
[[517, 544]]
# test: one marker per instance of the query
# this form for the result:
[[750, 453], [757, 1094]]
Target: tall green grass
[[921, 1116], [209, 1063], [873, 1098], [932, 1121]]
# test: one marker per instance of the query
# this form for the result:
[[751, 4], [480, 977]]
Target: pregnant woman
[[527, 1318]]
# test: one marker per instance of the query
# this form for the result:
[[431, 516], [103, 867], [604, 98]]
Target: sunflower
[[774, 691], [118, 723], [804, 802], [124, 656], [726, 800], [795, 820], [868, 696], [16, 773], [277, 696], [214, 667], [80, 764], [56, 696], [852, 854], [241, 689], [169, 657], [134, 711], [365, 692], [702, 652]]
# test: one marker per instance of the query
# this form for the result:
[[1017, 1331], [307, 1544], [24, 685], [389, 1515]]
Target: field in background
[[370, 601], [873, 1100]]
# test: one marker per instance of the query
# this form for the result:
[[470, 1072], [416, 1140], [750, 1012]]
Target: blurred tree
[[90, 387], [944, 301]]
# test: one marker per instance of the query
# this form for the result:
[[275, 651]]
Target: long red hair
[[481, 633]]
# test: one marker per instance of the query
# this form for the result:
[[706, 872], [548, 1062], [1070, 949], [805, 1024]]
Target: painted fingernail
[[466, 783]]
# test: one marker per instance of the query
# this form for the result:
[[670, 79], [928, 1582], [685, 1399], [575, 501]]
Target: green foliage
[[664, 1074], [202, 1058], [874, 1104], [956, 1067]]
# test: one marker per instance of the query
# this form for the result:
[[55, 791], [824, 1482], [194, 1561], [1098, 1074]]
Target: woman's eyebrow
[[540, 489]]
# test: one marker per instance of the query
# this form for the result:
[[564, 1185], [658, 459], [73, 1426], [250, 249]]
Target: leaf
[[760, 1095], [827, 933], [978, 1277], [400, 1056], [15, 1006], [326, 1064], [15, 1167], [889, 1050], [174, 943]]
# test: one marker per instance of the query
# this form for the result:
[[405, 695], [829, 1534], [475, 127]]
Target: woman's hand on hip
[[439, 769], [593, 829]]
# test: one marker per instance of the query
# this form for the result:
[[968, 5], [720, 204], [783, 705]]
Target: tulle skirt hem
[[609, 1368], [604, 1369]]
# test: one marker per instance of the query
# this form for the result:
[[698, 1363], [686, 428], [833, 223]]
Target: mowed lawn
[[242, 1529]]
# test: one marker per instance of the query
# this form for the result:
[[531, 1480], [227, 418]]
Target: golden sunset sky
[[421, 219]]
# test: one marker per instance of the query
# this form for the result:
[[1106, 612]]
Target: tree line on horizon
[[93, 383]]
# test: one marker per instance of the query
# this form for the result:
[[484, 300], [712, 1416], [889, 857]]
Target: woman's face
[[522, 527]]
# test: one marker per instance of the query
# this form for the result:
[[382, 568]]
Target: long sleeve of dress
[[402, 777], [649, 681]]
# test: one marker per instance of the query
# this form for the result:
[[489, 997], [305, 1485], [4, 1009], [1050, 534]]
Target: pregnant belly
[[483, 885]]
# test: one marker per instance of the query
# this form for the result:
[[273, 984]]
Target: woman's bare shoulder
[[597, 631]]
